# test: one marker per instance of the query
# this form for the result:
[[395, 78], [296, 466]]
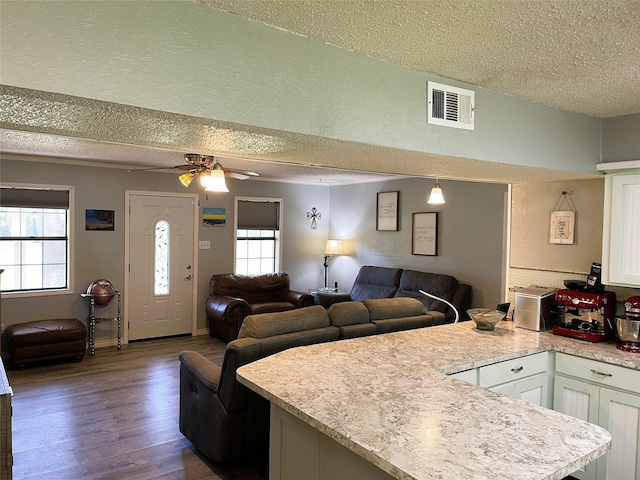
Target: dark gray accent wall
[[470, 233]]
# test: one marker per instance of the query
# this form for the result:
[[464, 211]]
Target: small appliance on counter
[[586, 315], [534, 308], [628, 328]]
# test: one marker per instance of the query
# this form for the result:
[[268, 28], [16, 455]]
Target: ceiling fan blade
[[246, 173], [149, 169], [236, 175]]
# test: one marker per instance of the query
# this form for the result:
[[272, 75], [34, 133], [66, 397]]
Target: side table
[[93, 320], [328, 296]]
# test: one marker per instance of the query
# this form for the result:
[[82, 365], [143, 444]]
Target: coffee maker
[[586, 315]]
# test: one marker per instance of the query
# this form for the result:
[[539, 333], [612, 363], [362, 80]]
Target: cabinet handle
[[596, 372], [516, 370]]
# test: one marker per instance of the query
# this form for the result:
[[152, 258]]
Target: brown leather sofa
[[233, 297]]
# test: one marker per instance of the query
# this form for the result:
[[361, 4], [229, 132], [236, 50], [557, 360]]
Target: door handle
[[188, 277]]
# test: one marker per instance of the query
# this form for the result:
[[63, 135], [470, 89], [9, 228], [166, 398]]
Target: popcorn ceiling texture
[[145, 82], [559, 53]]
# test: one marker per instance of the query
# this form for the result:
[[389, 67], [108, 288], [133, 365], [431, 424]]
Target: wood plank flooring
[[111, 416]]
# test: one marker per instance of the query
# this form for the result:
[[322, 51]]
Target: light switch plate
[[205, 244]]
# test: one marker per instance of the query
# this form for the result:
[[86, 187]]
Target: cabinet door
[[532, 389], [579, 400], [619, 413], [621, 232]]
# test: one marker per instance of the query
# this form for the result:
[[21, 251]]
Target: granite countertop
[[385, 397]]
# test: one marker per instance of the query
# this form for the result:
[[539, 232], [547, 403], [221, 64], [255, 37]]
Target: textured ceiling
[[582, 56]]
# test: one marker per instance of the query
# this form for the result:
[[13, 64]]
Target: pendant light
[[436, 194]]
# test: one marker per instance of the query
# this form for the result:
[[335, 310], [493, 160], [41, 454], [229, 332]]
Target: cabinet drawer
[[511, 370], [598, 372]]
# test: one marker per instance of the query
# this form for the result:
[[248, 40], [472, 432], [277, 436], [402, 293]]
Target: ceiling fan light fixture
[[186, 178], [214, 181]]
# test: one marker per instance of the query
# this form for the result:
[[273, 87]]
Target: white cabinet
[[469, 376], [621, 230], [609, 396], [526, 378]]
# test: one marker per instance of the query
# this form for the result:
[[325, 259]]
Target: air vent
[[450, 106]]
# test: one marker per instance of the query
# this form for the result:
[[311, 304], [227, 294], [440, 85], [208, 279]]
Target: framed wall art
[[562, 226], [99, 220], [387, 211], [424, 238]]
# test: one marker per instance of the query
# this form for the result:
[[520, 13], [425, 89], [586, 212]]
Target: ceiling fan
[[210, 172]]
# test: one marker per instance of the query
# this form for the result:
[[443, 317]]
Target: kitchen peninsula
[[384, 407]]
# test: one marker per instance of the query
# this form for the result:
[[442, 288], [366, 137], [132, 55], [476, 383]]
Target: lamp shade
[[214, 181], [334, 247], [186, 178], [436, 194]]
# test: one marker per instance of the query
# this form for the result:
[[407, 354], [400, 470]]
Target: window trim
[[279, 237], [71, 223]]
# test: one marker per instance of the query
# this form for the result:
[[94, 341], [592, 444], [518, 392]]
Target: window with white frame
[[34, 238], [257, 236]]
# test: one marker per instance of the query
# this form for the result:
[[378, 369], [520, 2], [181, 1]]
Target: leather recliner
[[385, 282], [233, 297], [222, 418]]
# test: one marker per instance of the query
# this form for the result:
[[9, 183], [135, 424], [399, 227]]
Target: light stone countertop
[[385, 397]]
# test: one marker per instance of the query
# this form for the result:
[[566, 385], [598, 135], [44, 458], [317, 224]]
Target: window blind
[[258, 215], [33, 198]]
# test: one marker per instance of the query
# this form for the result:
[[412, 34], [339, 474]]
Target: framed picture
[[214, 217], [424, 239], [100, 220], [562, 226], [387, 211]]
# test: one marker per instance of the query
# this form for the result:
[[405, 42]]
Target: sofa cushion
[[359, 330], [271, 307], [383, 308], [278, 323], [375, 282], [348, 313], [443, 286]]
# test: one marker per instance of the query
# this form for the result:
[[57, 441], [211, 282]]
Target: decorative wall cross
[[313, 215]]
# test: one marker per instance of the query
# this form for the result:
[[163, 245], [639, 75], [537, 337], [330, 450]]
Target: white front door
[[161, 265]]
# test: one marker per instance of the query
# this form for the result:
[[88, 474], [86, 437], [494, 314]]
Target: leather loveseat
[[233, 297], [385, 282], [222, 418]]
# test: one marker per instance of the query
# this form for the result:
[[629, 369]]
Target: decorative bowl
[[485, 318]]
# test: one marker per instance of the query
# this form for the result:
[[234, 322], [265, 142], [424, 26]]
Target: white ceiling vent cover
[[450, 106]]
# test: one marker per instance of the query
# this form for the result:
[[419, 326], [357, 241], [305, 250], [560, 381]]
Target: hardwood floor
[[111, 416]]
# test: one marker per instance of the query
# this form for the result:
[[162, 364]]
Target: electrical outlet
[[205, 244]]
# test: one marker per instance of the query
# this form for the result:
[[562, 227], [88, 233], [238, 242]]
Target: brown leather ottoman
[[46, 340]]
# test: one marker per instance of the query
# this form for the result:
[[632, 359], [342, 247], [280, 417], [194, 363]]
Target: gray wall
[[101, 254], [621, 138], [470, 233], [157, 55]]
